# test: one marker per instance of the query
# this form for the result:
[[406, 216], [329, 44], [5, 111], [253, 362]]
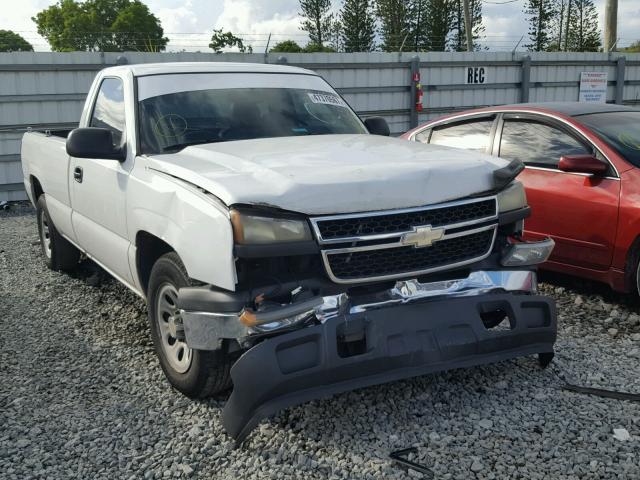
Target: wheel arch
[[631, 265], [149, 248], [36, 188]]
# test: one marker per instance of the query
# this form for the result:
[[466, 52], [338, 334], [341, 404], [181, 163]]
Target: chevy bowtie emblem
[[422, 236]]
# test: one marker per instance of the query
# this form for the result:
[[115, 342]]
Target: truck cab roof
[[146, 69]]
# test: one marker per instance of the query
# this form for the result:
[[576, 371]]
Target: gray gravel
[[82, 396]]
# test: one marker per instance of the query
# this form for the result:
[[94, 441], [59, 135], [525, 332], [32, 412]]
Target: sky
[[188, 23]]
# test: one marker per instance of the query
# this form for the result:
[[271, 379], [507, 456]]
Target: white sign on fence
[[593, 87], [475, 75]]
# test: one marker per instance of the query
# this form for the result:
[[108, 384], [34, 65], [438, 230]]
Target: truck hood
[[328, 174]]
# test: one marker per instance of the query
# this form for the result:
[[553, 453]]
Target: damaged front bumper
[[409, 330], [207, 320]]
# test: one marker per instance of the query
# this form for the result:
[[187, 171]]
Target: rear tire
[[58, 253], [195, 373]]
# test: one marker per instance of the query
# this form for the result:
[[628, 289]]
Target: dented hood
[[327, 174]]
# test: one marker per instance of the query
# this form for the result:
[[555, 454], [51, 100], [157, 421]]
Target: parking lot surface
[[82, 396]]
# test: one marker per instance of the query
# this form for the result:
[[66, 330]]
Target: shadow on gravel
[[583, 286]]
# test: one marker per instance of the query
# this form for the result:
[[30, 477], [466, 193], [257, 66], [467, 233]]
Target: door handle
[[77, 174]]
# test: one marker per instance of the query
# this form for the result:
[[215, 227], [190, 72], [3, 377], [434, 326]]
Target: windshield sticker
[[628, 141], [327, 99], [171, 125]]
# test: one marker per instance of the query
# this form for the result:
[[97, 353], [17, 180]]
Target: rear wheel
[[195, 373], [58, 253]]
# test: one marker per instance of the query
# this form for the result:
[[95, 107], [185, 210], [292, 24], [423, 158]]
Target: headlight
[[249, 229], [527, 253], [512, 198]]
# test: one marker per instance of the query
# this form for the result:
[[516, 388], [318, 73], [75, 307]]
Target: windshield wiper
[[180, 146]]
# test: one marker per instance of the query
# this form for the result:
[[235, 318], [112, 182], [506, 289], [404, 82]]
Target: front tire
[[58, 253], [195, 373]]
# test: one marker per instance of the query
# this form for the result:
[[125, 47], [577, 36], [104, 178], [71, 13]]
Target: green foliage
[[427, 25], [315, 48], [394, 22], [12, 42], [459, 40], [633, 48], [540, 14], [101, 25], [317, 20], [221, 40], [358, 26], [573, 27], [584, 33], [433, 20], [286, 46]]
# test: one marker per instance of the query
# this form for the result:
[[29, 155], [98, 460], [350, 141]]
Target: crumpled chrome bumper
[[359, 346], [205, 329], [351, 342]]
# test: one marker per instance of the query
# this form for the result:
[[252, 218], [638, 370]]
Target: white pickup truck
[[282, 244]]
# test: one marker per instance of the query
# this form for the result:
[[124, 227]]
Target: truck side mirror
[[582, 164], [91, 142], [377, 126]]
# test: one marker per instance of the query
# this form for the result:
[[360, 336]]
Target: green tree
[[12, 42], [358, 26], [286, 46], [556, 26], [583, 33], [459, 40], [395, 25], [315, 48], [431, 24], [317, 20], [540, 15], [100, 25], [221, 40]]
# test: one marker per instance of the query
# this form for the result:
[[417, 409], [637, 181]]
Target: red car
[[582, 178]]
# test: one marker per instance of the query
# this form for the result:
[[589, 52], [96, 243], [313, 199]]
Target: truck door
[[98, 187]]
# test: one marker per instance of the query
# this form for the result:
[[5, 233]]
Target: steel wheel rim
[[45, 234], [177, 353]]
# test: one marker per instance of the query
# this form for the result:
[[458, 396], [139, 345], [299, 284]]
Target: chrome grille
[[383, 223], [402, 260], [370, 247]]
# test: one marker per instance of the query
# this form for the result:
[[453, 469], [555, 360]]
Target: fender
[[194, 224]]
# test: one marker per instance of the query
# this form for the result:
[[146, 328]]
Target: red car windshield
[[621, 130]]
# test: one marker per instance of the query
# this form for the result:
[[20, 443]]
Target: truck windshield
[[621, 130], [172, 120]]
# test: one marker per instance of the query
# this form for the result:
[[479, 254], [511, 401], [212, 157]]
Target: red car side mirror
[[582, 164]]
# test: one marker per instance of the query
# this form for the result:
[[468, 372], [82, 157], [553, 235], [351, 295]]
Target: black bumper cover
[[401, 342]]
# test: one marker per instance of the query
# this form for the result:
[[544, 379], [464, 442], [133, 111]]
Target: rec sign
[[475, 75]]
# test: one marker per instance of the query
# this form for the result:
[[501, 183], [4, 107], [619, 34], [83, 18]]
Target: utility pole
[[610, 25], [467, 26]]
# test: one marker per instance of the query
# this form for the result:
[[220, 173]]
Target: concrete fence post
[[526, 79], [620, 67], [414, 66]]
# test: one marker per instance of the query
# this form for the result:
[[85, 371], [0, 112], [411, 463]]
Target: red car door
[[579, 211]]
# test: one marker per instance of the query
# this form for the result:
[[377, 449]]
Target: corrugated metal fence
[[47, 90]]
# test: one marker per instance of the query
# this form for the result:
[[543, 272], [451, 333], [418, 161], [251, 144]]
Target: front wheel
[[195, 373]]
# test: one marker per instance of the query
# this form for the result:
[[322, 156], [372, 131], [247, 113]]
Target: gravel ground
[[82, 396]]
